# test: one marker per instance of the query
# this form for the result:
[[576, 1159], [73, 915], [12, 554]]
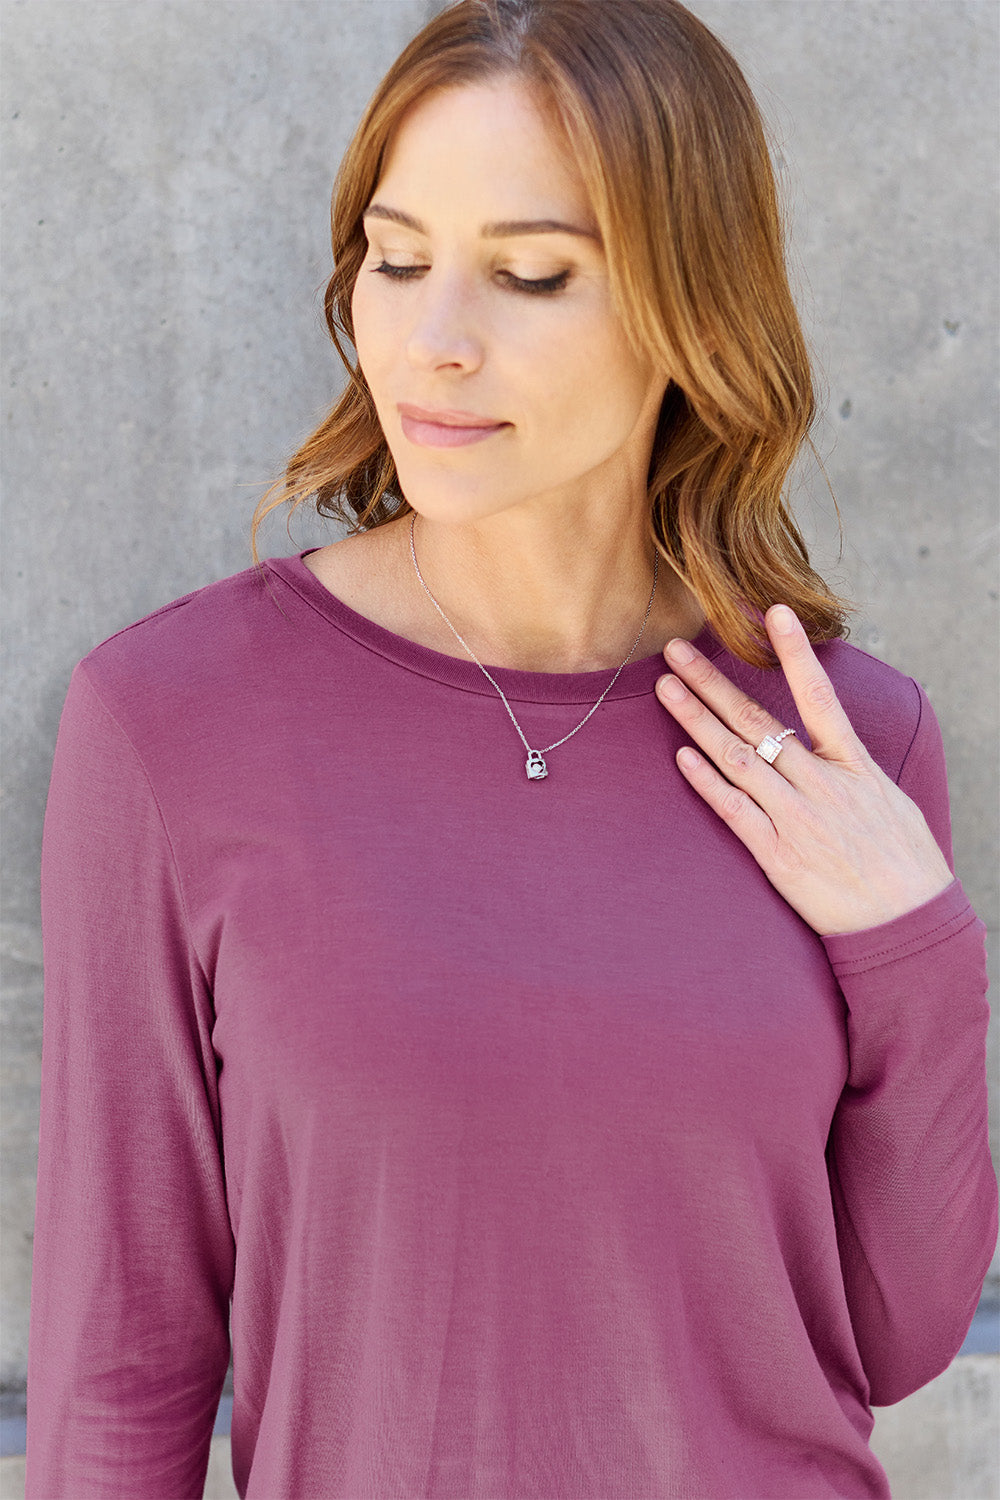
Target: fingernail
[[680, 651], [687, 758], [782, 619], [672, 688]]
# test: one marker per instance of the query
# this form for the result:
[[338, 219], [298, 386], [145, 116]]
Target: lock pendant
[[535, 766]]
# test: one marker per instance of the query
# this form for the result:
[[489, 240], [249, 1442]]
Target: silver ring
[[771, 747]]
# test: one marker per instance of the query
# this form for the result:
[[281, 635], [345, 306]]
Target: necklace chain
[[535, 766]]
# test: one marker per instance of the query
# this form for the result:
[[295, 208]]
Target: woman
[[618, 1136]]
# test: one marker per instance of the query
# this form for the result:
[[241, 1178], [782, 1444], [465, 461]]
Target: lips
[[445, 418], [445, 429]]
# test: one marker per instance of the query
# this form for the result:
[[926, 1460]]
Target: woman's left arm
[[913, 1188]]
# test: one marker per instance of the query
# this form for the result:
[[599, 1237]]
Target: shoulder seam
[[172, 604], [916, 730], [81, 667], [162, 609]]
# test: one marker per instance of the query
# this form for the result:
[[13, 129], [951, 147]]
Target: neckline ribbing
[[636, 678]]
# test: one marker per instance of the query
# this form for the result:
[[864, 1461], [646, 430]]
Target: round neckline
[[636, 678]]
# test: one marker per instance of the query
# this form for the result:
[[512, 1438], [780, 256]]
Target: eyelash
[[544, 287]]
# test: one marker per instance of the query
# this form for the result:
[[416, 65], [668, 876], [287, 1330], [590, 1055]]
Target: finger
[[735, 807], [737, 760], [822, 713], [742, 714]]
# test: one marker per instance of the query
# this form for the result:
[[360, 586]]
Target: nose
[[444, 331]]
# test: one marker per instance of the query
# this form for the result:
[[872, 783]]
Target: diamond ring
[[771, 747]]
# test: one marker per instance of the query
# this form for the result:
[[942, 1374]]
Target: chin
[[451, 503]]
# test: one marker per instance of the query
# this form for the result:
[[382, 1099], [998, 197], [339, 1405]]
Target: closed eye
[[548, 284]]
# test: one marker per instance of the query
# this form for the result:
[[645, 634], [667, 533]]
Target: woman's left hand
[[833, 834]]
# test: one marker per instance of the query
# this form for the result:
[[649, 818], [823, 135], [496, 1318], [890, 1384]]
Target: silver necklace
[[535, 764]]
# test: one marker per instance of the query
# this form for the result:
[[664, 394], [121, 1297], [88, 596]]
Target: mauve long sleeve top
[[523, 1141]]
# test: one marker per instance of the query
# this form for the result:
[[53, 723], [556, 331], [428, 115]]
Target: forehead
[[491, 149]]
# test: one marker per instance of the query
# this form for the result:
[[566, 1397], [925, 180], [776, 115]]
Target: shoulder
[[188, 653], [878, 698], [889, 711], [886, 708]]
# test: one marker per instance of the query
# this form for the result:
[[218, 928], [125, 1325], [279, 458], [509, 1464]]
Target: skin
[[534, 541], [833, 834]]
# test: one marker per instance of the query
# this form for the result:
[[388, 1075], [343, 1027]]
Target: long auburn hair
[[671, 147]]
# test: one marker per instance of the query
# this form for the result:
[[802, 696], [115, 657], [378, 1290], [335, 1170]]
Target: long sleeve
[[914, 1192], [133, 1253], [529, 1162]]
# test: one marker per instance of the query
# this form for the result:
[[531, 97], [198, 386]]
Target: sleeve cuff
[[915, 931]]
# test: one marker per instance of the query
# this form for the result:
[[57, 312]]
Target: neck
[[548, 598]]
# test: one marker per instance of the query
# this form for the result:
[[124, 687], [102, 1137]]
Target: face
[[484, 297]]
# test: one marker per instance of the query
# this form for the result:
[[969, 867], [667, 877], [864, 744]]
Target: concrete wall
[[167, 169]]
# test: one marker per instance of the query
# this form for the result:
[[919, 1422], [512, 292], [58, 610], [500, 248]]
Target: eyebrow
[[505, 229]]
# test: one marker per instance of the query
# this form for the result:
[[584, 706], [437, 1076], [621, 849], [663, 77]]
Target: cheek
[[584, 371], [370, 332]]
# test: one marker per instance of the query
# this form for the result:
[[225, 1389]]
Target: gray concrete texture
[[167, 167]]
